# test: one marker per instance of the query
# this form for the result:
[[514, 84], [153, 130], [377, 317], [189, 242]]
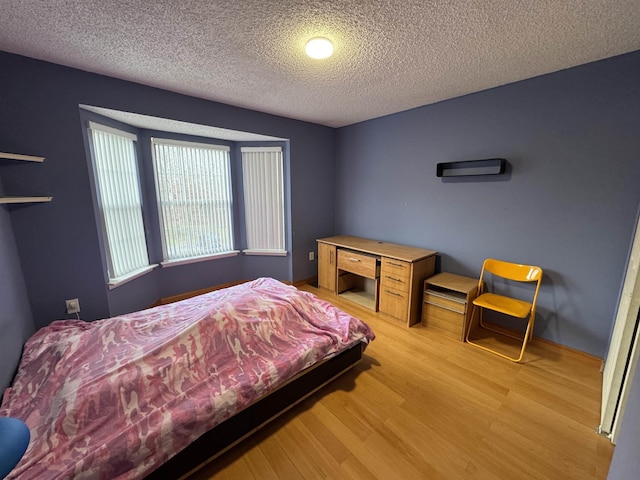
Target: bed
[[153, 393]]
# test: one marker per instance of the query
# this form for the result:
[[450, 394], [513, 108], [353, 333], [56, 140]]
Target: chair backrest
[[512, 271]]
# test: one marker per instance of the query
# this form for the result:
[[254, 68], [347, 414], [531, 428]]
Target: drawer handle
[[354, 259], [445, 307], [396, 264], [394, 279], [393, 293]]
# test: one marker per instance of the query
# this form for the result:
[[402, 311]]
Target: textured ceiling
[[389, 55]]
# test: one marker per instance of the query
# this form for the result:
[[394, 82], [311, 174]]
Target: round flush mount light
[[319, 48]]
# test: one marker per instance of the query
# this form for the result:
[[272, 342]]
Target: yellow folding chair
[[512, 307]]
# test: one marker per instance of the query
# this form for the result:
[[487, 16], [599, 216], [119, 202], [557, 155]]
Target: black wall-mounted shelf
[[489, 166]]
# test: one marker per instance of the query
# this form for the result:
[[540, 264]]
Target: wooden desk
[[381, 276]]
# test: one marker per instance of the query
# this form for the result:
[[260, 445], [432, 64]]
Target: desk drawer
[[358, 263], [396, 268], [444, 321], [394, 281], [394, 302]]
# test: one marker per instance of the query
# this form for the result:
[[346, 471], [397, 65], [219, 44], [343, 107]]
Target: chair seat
[[506, 305]]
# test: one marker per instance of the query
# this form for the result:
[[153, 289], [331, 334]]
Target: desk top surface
[[383, 249], [454, 282]]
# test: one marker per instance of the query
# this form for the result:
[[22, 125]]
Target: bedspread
[[116, 398]]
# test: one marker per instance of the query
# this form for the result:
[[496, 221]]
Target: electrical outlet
[[312, 256], [73, 305]]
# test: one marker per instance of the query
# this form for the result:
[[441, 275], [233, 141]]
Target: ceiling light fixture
[[319, 48]]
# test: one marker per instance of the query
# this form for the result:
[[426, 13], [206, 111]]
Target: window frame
[[282, 199], [160, 139], [113, 281]]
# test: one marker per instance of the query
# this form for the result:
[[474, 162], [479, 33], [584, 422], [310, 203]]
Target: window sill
[[116, 282], [272, 253], [204, 258]]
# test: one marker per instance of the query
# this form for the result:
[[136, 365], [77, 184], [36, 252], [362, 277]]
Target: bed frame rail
[[232, 431]]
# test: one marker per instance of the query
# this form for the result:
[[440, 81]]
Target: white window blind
[[263, 185], [193, 185], [120, 200]]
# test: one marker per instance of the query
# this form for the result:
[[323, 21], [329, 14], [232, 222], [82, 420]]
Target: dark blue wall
[[58, 242], [16, 323], [568, 204]]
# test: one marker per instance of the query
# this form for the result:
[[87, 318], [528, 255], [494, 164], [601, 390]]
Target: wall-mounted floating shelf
[[24, 158], [8, 200], [22, 199], [489, 166]]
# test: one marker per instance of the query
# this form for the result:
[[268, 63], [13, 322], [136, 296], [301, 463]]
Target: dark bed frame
[[235, 429]]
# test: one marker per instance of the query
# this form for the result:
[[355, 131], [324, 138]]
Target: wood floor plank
[[351, 415], [296, 444], [513, 463], [323, 435], [424, 405], [554, 462], [447, 458], [560, 397], [604, 454], [278, 459], [370, 451], [259, 465], [545, 425], [357, 470]]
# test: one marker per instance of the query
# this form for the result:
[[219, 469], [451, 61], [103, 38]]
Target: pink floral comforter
[[118, 397]]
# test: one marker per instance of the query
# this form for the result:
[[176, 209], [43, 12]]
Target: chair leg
[[480, 317], [473, 311], [532, 319], [528, 335]]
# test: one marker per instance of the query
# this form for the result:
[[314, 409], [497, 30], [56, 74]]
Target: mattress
[[118, 397]]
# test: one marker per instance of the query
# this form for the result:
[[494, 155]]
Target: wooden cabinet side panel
[[421, 270], [327, 270]]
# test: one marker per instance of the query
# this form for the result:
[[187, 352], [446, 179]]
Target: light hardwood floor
[[423, 406]]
